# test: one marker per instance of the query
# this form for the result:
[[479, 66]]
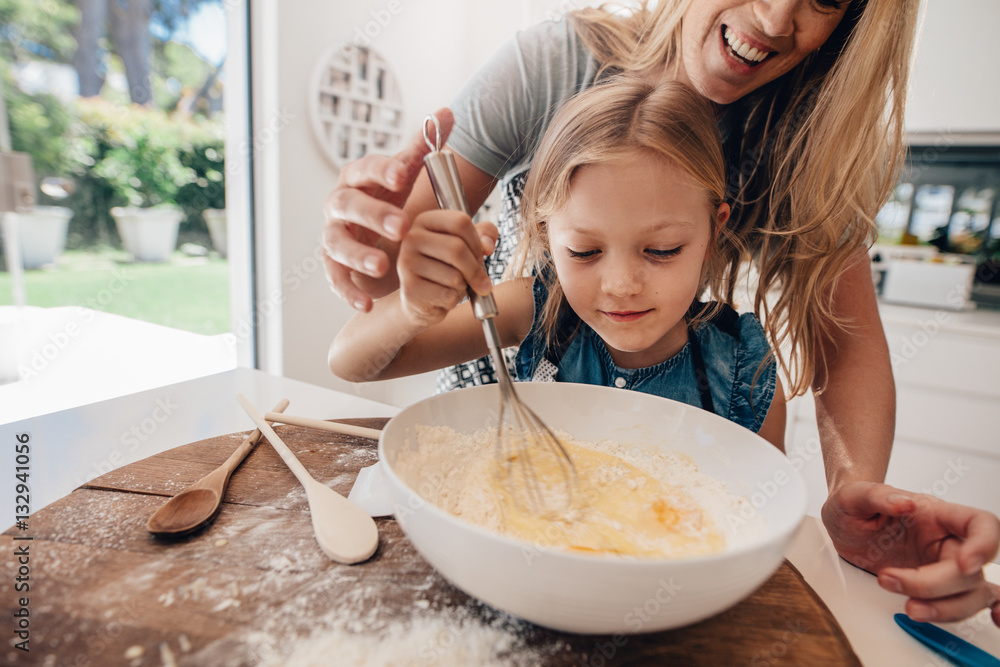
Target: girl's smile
[[626, 316]]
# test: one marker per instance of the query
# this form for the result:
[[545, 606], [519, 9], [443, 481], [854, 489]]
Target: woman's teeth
[[744, 51]]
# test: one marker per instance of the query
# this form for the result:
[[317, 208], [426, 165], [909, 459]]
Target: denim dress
[[725, 352]]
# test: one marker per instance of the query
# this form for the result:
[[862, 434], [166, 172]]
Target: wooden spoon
[[198, 504], [343, 530], [335, 427]]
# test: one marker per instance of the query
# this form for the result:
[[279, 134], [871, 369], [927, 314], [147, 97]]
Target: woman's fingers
[[374, 171], [951, 586], [954, 608], [367, 204], [356, 206], [946, 610], [411, 159], [978, 530], [939, 591], [396, 173], [940, 579], [339, 278]]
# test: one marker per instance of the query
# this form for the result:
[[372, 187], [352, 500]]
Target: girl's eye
[[663, 254], [582, 254], [831, 4]]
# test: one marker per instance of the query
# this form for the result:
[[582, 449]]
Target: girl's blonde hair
[[811, 158], [624, 118]]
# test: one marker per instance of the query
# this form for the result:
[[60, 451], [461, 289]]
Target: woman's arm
[[386, 343], [920, 546], [857, 410], [773, 428]]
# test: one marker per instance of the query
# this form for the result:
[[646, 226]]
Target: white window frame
[[251, 165]]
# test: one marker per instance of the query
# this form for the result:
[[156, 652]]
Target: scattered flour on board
[[355, 629], [455, 638]]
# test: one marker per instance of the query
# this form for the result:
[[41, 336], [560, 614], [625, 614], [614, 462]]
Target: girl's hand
[[440, 257], [920, 546], [365, 208]]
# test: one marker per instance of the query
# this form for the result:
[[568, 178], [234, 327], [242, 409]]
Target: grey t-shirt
[[501, 113], [504, 109]]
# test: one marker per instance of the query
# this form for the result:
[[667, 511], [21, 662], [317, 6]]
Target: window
[[120, 106]]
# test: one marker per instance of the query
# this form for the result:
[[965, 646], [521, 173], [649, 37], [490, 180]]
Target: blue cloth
[[733, 347]]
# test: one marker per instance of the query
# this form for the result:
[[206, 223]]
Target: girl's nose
[[776, 17], [622, 279]]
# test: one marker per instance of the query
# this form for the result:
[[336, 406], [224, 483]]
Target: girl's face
[[628, 248], [732, 47]]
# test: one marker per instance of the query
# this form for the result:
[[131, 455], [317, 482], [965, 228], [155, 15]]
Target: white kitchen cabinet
[[947, 372], [953, 95]]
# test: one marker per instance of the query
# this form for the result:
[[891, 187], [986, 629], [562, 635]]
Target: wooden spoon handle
[[335, 427], [250, 442], [279, 446]]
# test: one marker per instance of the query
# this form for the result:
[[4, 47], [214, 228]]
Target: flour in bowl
[[628, 501]]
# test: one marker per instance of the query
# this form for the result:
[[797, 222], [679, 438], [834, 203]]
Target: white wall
[[433, 51]]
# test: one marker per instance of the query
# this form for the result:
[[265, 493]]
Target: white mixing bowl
[[604, 594]]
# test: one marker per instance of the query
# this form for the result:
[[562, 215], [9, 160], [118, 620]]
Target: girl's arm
[[386, 343]]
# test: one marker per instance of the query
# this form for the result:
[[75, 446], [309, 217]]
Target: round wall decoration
[[355, 104]]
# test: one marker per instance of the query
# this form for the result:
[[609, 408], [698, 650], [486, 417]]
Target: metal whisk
[[520, 433]]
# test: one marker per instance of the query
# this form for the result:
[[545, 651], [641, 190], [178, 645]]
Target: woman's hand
[[365, 210], [441, 255], [920, 546]]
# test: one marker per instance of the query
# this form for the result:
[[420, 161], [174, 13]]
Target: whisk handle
[[443, 172]]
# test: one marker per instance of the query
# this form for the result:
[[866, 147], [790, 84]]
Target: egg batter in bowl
[[625, 501]]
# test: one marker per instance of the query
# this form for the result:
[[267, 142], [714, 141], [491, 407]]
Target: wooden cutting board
[[253, 587]]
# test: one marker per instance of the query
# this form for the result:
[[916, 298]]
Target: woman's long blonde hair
[[812, 157], [623, 118]]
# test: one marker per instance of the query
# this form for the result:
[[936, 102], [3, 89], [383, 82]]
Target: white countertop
[[979, 322], [76, 445], [72, 446], [865, 611]]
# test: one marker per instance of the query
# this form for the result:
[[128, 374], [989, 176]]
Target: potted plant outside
[[204, 195], [148, 234], [38, 125], [42, 234], [142, 165], [215, 219]]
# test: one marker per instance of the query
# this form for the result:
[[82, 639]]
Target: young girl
[[622, 214]]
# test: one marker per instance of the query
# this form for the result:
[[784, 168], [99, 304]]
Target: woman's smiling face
[[730, 48]]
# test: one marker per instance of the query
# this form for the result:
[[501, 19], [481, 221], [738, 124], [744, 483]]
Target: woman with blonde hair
[[809, 99]]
